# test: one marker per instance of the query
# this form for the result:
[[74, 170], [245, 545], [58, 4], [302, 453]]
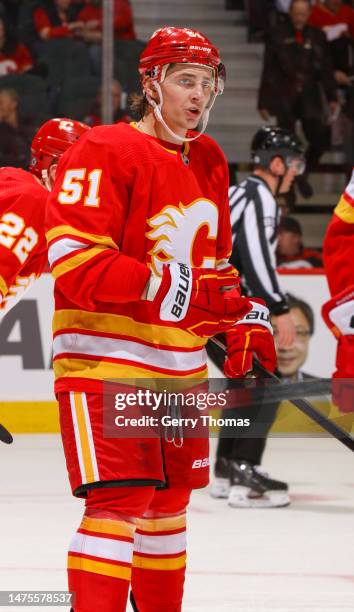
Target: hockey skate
[[252, 488], [220, 487]]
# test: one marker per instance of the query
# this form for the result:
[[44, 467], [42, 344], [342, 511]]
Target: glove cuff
[[153, 287], [338, 313]]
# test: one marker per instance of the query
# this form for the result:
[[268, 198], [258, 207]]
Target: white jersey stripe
[[114, 348], [65, 246], [349, 190]]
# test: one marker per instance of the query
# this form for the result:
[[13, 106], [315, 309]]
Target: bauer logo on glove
[[175, 305], [259, 314], [203, 301], [251, 336]]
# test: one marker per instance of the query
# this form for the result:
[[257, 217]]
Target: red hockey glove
[[253, 335], [202, 301], [338, 314]]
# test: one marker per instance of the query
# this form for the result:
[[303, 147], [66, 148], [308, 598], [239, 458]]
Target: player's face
[[292, 358], [186, 92]]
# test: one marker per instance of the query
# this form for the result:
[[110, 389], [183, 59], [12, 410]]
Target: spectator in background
[[14, 57], [94, 117], [296, 65], [291, 358], [57, 19], [91, 17], [291, 252], [10, 9], [334, 17], [259, 16], [15, 137], [336, 20]]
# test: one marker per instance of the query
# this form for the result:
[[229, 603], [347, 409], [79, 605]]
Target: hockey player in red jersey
[[23, 196], [338, 312], [139, 238]]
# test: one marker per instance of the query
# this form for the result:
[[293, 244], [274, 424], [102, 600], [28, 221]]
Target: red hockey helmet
[[171, 45], [53, 138]]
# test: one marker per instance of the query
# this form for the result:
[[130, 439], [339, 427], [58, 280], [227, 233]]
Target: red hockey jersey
[[338, 248], [23, 249], [124, 203]]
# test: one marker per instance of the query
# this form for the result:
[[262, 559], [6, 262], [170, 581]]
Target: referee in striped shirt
[[278, 157]]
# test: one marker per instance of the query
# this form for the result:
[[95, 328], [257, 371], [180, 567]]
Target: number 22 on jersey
[[73, 185], [11, 228]]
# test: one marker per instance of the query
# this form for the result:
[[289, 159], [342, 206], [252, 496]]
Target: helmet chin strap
[[46, 180], [158, 114]]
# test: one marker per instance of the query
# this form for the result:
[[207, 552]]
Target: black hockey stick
[[301, 404], [5, 435]]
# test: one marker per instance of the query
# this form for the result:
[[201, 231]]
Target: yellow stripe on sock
[[99, 567], [159, 563], [162, 524], [118, 528]]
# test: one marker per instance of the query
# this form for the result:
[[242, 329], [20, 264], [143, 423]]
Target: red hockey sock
[[100, 553], [159, 560]]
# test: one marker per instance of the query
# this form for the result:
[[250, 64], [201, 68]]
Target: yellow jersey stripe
[[99, 567], [105, 371], [344, 211], [77, 260], [63, 230], [125, 326], [159, 563], [3, 286]]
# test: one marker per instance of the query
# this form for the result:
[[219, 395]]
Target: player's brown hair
[[138, 105]]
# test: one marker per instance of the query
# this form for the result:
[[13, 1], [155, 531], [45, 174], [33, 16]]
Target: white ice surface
[[295, 559]]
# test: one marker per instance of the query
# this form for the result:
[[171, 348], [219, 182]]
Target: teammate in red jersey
[[338, 312], [139, 238], [23, 195]]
